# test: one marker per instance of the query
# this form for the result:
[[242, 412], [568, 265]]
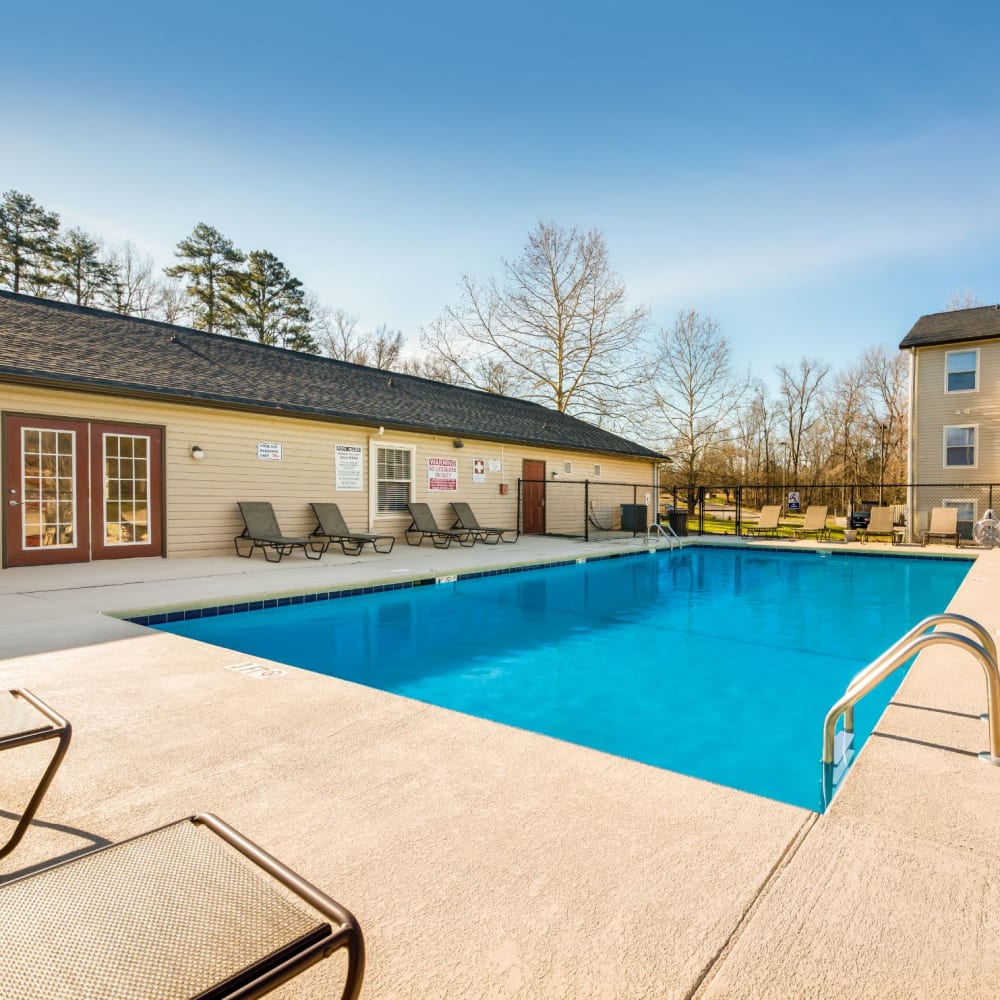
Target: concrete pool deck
[[483, 861]]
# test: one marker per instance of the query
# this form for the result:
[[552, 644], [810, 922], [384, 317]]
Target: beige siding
[[201, 513], [935, 409]]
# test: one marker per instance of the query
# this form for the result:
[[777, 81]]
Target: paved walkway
[[484, 861]]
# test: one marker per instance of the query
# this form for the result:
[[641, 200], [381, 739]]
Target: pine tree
[[265, 302], [28, 237], [208, 262], [80, 268]]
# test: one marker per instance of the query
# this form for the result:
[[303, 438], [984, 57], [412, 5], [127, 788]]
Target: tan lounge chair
[[423, 524], [879, 523], [944, 524], [260, 528], [26, 720], [192, 909], [464, 518], [814, 524], [331, 526], [767, 523]]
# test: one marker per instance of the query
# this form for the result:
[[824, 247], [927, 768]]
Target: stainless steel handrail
[[945, 618], [894, 657], [658, 528]]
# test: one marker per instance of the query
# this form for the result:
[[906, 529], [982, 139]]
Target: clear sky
[[814, 176]]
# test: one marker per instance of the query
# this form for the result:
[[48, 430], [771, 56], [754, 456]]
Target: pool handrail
[[669, 534], [896, 656], [944, 618]]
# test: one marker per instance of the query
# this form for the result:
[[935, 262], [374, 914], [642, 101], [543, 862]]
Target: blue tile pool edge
[[185, 614]]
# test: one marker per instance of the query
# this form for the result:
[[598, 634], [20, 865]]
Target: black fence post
[[635, 510], [520, 526], [739, 510], [586, 510]]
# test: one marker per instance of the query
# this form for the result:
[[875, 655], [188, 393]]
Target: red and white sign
[[479, 470], [442, 474]]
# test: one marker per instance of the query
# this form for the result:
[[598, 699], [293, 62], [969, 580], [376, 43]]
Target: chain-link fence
[[595, 509]]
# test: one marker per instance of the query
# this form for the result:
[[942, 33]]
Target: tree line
[[554, 326], [213, 286]]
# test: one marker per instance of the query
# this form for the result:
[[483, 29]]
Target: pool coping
[[167, 614]]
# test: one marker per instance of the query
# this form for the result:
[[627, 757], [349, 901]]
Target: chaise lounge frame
[[331, 527], [261, 529], [768, 522], [26, 727], [422, 523], [193, 908], [464, 518], [943, 524]]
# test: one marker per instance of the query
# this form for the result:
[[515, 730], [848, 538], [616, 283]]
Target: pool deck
[[484, 861]]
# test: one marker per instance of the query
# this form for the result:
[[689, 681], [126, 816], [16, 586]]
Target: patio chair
[[331, 526], [879, 523], [260, 528], [423, 524], [25, 720], [464, 518], [767, 523], [192, 909], [944, 524], [814, 524]]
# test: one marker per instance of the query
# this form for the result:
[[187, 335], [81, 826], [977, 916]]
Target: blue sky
[[815, 179]]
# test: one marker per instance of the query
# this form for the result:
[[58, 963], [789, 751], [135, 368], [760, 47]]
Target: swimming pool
[[717, 662]]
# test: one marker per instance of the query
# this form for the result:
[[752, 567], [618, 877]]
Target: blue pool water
[[719, 663]]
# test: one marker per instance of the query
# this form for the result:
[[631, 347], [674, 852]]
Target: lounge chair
[[814, 524], [331, 526], [880, 523], [944, 524], [464, 518], [768, 523], [260, 528], [423, 524], [25, 720], [192, 909]]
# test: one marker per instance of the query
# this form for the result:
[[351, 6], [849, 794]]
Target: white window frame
[[975, 446], [373, 511], [975, 371]]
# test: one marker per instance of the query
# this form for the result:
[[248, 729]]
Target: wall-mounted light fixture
[[197, 452], [380, 432], [458, 444]]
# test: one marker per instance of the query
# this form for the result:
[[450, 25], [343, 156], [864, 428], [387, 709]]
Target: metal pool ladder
[[655, 532], [837, 752]]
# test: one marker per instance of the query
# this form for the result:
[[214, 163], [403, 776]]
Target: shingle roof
[[954, 326], [61, 343]]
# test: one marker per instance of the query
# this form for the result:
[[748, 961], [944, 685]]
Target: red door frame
[[532, 497], [15, 553], [130, 550], [89, 492]]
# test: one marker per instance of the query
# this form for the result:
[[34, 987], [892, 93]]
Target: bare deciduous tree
[[557, 329], [887, 374], [799, 391], [962, 298], [695, 390], [133, 288]]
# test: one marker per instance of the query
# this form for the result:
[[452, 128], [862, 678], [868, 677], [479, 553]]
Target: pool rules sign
[[349, 467]]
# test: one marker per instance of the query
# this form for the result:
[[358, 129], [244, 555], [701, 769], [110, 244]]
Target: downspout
[[911, 449]]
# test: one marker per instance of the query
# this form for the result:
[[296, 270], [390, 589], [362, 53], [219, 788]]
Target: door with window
[[532, 497], [77, 490]]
